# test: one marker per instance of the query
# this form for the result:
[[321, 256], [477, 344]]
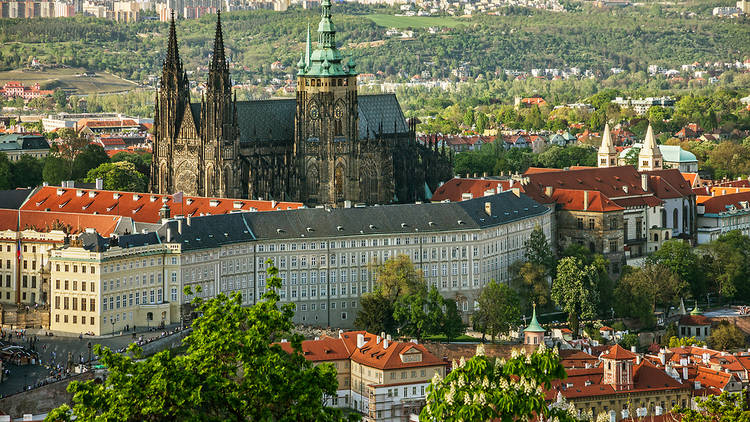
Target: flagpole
[[18, 259]]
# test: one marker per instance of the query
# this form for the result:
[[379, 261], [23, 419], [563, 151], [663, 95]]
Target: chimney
[[697, 385], [169, 234], [377, 340], [684, 372], [644, 182], [548, 190], [360, 340], [633, 349], [187, 220], [388, 337], [484, 175], [637, 359], [341, 333], [99, 183], [385, 343], [179, 226], [662, 358], [488, 208], [585, 200]]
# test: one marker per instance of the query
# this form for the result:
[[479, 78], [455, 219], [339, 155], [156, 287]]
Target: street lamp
[[113, 328], [89, 346]]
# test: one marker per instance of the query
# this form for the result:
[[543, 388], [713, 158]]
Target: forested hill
[[588, 38]]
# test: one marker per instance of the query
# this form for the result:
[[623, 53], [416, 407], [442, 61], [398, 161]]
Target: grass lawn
[[403, 22], [67, 80], [463, 338]]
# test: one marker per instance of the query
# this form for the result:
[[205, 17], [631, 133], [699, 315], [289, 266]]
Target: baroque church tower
[[649, 158]]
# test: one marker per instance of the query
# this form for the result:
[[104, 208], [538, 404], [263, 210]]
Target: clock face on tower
[[338, 112], [314, 112]]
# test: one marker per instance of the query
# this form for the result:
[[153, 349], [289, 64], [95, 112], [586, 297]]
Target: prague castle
[[327, 146]]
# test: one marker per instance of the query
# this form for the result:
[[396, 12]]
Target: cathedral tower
[[172, 99], [326, 120], [220, 137], [649, 158], [607, 153]]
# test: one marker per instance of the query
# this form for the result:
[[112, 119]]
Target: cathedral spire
[[607, 153], [308, 47], [219, 61], [649, 158], [173, 56]]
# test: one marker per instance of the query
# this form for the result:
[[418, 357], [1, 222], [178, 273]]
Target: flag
[[18, 249], [177, 198]]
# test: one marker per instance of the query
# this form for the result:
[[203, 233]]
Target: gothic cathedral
[[327, 146]]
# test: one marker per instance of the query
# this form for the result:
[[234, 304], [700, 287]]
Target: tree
[[726, 260], [27, 172], [681, 259], [419, 314], [727, 336], [483, 389], [70, 144], [232, 370], [142, 162], [538, 250], [56, 169], [631, 157], [675, 341], [530, 280], [91, 157], [398, 277], [6, 172], [574, 290], [628, 340], [375, 314], [642, 289], [59, 96], [121, 175], [728, 407], [452, 325], [498, 310]]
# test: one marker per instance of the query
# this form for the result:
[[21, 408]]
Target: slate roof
[[15, 141], [13, 199], [311, 223], [274, 119]]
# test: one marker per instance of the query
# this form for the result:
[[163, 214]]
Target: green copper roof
[[326, 59], [696, 310], [669, 153], [534, 326]]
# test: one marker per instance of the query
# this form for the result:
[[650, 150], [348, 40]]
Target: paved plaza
[[55, 352]]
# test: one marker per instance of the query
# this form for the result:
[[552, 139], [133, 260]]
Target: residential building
[[694, 325], [622, 381], [15, 89], [16, 145], [721, 214], [461, 189], [384, 380], [641, 105]]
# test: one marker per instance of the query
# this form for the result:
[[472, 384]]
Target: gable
[[188, 126]]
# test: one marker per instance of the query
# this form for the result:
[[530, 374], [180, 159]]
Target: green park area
[[404, 22], [70, 80]]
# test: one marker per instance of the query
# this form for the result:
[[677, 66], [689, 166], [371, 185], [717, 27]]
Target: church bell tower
[[326, 119]]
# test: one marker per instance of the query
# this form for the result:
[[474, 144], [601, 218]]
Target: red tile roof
[[616, 352], [142, 207], [44, 221], [719, 204], [375, 355], [321, 350], [453, 189], [695, 320], [668, 183], [711, 378], [573, 200]]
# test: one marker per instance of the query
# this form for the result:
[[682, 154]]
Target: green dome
[[534, 326], [696, 310]]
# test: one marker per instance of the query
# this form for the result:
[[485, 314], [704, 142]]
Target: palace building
[[327, 146]]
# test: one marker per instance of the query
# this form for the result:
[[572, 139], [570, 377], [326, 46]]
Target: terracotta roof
[[668, 183], [712, 378], [453, 189], [612, 182], [695, 320], [690, 178], [605, 328], [574, 358], [44, 221], [723, 203], [142, 207], [321, 350], [616, 352], [375, 355], [573, 200]]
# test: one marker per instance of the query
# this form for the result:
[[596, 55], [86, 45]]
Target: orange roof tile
[[573, 200], [616, 352], [44, 221], [321, 350], [375, 355], [142, 207], [453, 189]]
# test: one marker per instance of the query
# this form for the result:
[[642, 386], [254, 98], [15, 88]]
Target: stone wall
[[42, 399]]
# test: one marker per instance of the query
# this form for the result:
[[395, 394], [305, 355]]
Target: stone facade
[[327, 146]]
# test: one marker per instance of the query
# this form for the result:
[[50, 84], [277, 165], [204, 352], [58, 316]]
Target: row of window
[[322, 306], [134, 299], [75, 267], [74, 318], [68, 285], [136, 263], [74, 301]]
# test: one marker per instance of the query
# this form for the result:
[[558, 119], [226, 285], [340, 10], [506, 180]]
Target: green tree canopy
[[727, 336], [575, 290], [121, 175], [483, 389], [498, 311], [90, 157], [56, 169], [27, 172], [232, 371], [681, 259]]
